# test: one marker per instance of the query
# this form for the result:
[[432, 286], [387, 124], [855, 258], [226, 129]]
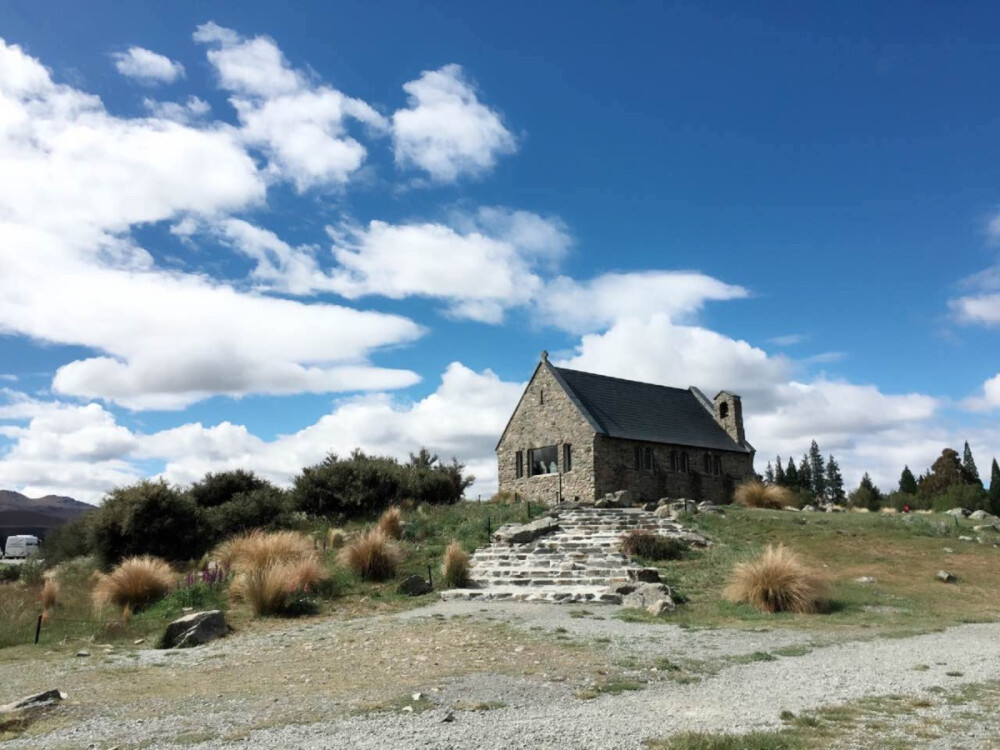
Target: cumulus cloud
[[191, 109], [73, 181], [989, 397], [582, 306], [983, 309], [446, 131], [301, 126], [147, 67]]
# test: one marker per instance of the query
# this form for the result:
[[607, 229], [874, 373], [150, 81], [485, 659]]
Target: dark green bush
[[67, 542], [148, 518], [216, 489], [652, 546], [9, 573], [266, 507]]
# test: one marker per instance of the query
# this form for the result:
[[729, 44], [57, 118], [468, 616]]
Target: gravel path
[[533, 711]]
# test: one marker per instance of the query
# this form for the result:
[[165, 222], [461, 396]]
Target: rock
[[958, 512], [645, 595], [623, 499], [966, 539], [417, 696], [981, 515], [664, 511], [662, 607], [664, 501], [946, 577], [524, 533], [711, 508], [415, 586], [448, 717], [987, 527], [645, 575], [650, 507], [866, 580], [195, 629], [683, 504], [835, 509], [809, 509], [82, 654], [408, 709], [948, 550], [38, 700]]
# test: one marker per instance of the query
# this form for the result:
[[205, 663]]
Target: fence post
[[430, 577], [38, 629], [529, 510]]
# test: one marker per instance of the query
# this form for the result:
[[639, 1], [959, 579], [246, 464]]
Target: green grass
[[610, 686], [710, 741], [902, 552]]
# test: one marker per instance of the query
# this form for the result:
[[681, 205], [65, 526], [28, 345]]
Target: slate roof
[[644, 411]]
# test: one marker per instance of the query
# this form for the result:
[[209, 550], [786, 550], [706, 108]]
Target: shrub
[[32, 572], [10, 573], [653, 546], [373, 557], [335, 538], [455, 568], [220, 488], [50, 594], [258, 549], [777, 581], [756, 494], [135, 583], [68, 541], [391, 523], [353, 487], [147, 518], [277, 587], [265, 507]]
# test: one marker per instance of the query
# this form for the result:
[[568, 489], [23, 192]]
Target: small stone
[[408, 709], [415, 586], [661, 607], [195, 629], [137, 641], [866, 580], [946, 577], [949, 550], [417, 696], [448, 717], [82, 653], [966, 539]]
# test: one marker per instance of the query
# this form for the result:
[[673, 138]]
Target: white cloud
[[983, 309], [301, 126], [480, 274], [73, 181], [82, 452], [790, 339], [598, 303], [988, 400], [191, 109], [446, 131], [148, 67]]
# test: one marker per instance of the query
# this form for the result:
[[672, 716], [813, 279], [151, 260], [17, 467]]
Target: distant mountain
[[20, 514]]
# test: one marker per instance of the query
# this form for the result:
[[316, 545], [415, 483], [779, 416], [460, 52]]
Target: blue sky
[[235, 237]]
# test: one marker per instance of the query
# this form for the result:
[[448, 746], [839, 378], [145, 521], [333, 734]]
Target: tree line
[[153, 517], [949, 482]]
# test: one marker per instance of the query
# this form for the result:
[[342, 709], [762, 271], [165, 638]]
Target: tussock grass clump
[[391, 523], [756, 494], [275, 587], [455, 568], [372, 557], [49, 597], [136, 582], [777, 581], [257, 550], [335, 538], [652, 546]]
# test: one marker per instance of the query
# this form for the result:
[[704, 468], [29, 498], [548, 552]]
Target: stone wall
[[616, 471], [546, 416]]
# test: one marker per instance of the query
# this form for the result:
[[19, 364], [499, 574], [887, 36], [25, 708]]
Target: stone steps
[[580, 561]]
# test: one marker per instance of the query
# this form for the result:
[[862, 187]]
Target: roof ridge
[[613, 377]]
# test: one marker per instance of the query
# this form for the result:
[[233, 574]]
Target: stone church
[[577, 436]]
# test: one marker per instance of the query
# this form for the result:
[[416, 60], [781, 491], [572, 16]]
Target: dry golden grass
[[135, 583], [270, 588], [257, 550], [777, 581], [372, 557], [335, 538], [455, 568], [391, 523], [49, 596], [756, 494]]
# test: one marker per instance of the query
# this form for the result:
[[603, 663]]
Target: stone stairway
[[579, 561]]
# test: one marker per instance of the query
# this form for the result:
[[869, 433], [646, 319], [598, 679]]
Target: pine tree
[[779, 473], [867, 495], [791, 474], [969, 467], [769, 474], [995, 489], [818, 470], [834, 481], [907, 482], [805, 474]]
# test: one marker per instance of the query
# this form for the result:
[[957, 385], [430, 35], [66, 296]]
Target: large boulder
[[664, 511], [981, 515], [195, 629], [646, 596], [415, 586], [958, 512], [38, 700], [622, 499], [528, 532]]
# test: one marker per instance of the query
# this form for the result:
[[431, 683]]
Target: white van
[[22, 545]]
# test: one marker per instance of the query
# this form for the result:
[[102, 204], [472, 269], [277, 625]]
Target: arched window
[[673, 460], [708, 464], [723, 410], [685, 466], [717, 466], [647, 459]]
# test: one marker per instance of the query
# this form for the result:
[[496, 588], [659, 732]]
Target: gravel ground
[[537, 710]]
